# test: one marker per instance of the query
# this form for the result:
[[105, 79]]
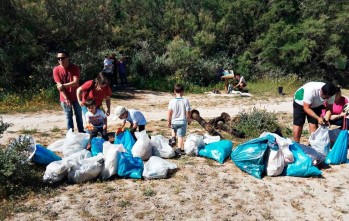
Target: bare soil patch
[[201, 189]]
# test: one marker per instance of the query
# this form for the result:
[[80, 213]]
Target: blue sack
[[129, 166], [44, 156], [96, 145], [302, 165], [251, 156], [339, 151], [125, 138], [218, 151]]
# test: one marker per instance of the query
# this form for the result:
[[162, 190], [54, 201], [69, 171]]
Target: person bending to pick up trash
[[308, 103], [135, 117], [241, 84]]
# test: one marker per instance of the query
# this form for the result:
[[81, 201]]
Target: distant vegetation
[[173, 40]]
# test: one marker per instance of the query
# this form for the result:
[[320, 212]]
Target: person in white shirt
[[242, 82], [308, 103], [178, 116]]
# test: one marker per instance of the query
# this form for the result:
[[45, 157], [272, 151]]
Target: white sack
[[74, 142], [57, 170], [193, 143], [320, 140], [86, 169], [276, 162], [110, 155], [160, 147], [283, 144], [57, 146], [157, 168], [142, 147], [211, 139]]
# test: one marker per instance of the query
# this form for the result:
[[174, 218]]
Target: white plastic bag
[[210, 139], [193, 143], [142, 147], [86, 169], [110, 155], [320, 140], [276, 162], [57, 146], [160, 147], [74, 142], [57, 170], [157, 168], [283, 144]]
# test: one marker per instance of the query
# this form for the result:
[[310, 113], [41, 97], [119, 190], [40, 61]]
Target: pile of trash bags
[[273, 155], [146, 157]]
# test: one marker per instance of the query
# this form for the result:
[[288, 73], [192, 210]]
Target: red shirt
[[65, 75], [97, 95]]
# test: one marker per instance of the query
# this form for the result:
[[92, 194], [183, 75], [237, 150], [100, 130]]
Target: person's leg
[[297, 132], [298, 121], [78, 116], [173, 135], [313, 123], [68, 111], [182, 129]]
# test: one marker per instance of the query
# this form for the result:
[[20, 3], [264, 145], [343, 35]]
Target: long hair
[[102, 79]]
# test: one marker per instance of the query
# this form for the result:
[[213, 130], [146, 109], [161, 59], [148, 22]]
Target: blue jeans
[[68, 111]]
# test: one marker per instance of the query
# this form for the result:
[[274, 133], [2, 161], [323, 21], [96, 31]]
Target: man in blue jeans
[[66, 76]]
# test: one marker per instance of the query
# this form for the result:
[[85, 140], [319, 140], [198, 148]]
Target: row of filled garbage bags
[[270, 155]]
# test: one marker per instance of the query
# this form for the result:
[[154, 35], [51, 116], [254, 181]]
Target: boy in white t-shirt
[[135, 117], [178, 116], [96, 120]]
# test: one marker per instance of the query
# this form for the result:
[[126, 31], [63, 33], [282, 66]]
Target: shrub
[[17, 176], [256, 122]]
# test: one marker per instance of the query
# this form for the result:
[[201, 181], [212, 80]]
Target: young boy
[[96, 120], [178, 116], [135, 117]]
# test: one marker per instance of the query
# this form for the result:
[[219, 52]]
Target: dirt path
[[201, 189], [154, 106]]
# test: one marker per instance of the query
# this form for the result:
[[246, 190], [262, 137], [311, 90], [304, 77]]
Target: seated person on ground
[[96, 120], [338, 111], [241, 84]]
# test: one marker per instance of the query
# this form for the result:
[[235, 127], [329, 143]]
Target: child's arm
[[105, 125], [169, 118]]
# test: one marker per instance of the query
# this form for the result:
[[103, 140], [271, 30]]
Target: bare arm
[[169, 117], [107, 102], [311, 113], [79, 96]]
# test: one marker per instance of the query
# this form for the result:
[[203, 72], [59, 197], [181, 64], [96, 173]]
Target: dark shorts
[[299, 114]]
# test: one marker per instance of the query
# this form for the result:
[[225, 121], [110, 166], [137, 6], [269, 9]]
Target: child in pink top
[[337, 109]]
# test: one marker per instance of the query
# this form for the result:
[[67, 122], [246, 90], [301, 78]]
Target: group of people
[[85, 101], [113, 66], [321, 104]]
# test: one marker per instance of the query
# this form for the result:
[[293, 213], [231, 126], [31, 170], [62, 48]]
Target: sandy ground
[[201, 189]]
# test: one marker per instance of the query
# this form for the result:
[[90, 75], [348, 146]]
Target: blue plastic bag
[[125, 138], [302, 165], [97, 145], [218, 151], [251, 156], [129, 166], [44, 156], [339, 151]]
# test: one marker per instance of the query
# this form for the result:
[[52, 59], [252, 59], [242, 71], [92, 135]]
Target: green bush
[[256, 122], [17, 176]]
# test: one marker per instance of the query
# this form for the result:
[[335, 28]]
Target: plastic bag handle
[[344, 123]]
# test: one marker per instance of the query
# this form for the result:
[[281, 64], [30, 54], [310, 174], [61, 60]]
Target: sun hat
[[119, 110]]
